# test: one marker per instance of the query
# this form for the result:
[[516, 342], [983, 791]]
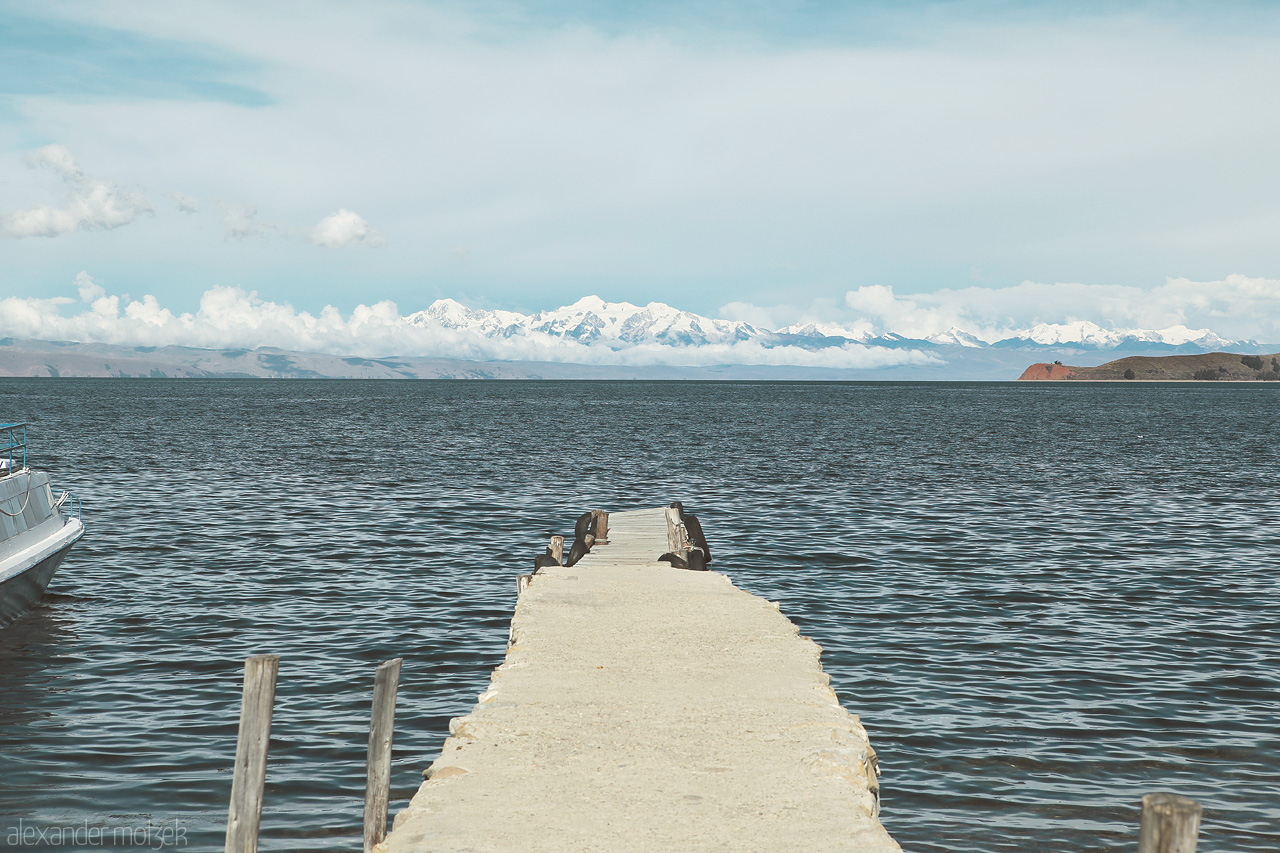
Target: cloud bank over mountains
[[875, 329], [1237, 307], [230, 317]]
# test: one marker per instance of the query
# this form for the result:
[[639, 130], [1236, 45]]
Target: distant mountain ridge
[[67, 359], [619, 325]]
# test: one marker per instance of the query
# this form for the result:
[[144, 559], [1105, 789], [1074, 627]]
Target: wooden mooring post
[[245, 813], [557, 549], [677, 539], [1170, 824], [377, 792]]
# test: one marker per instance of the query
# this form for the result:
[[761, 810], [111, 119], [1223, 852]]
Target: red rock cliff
[[1046, 371]]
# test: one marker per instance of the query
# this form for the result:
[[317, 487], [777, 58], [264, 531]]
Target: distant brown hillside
[[1210, 366]]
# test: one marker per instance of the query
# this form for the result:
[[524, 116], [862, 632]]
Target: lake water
[[1044, 600]]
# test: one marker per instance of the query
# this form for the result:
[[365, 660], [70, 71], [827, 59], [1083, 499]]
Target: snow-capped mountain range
[[590, 339], [621, 325], [591, 320]]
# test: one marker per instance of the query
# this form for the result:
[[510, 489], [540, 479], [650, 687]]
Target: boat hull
[[20, 592]]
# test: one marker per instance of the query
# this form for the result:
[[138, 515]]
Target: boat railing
[[69, 505], [13, 447]]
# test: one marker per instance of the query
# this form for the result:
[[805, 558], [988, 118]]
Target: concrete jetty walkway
[[643, 707]]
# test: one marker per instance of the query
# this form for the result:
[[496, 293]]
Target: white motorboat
[[36, 529]]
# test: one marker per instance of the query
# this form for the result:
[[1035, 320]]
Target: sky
[[906, 165]]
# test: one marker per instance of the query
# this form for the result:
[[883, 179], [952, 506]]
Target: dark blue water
[[1044, 600]]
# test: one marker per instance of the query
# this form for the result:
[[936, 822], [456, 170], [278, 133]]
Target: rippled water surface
[[1044, 600]]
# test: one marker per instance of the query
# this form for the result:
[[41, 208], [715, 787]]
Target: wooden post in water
[[1170, 824], [245, 813], [522, 583], [382, 725], [557, 549]]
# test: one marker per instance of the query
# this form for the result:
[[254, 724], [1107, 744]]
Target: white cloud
[[186, 203], [89, 204], [1238, 307], [231, 317], [240, 222], [340, 230], [346, 228], [886, 311], [88, 289]]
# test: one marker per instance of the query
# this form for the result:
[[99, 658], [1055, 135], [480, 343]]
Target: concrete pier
[[643, 707]]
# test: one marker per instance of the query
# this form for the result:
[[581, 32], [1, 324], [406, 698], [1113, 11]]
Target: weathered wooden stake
[[522, 583], [1170, 824], [602, 526], [557, 549], [245, 814], [382, 725], [674, 530]]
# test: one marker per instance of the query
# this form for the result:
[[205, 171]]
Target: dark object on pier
[[674, 559], [543, 560], [697, 559], [696, 537], [581, 547], [584, 526]]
